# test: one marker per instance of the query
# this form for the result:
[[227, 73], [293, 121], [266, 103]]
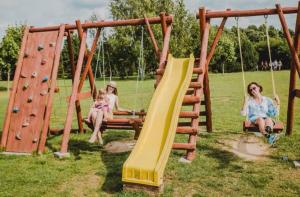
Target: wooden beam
[[215, 42], [294, 54], [153, 40], [43, 137], [163, 19], [100, 24], [14, 89], [292, 86], [246, 13], [164, 53], [68, 123]]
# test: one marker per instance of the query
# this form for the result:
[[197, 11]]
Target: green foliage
[[9, 49]]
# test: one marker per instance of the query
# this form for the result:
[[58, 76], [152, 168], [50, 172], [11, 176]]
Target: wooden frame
[[205, 16]]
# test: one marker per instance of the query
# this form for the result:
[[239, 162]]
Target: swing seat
[[123, 123], [249, 126]]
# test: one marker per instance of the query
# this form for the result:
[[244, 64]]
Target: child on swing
[[101, 103]]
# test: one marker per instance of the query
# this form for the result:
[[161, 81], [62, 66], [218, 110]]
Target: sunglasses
[[251, 89]]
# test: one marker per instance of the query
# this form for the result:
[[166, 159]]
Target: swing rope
[[241, 55], [270, 63], [140, 71]]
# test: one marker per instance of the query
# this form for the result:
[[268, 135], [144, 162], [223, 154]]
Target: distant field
[[215, 172]]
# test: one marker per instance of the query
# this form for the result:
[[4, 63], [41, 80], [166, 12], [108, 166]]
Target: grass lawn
[[90, 171]]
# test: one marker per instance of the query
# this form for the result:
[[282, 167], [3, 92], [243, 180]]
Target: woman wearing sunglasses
[[260, 110]]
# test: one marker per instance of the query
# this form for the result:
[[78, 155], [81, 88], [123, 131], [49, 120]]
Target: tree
[[225, 56], [9, 50]]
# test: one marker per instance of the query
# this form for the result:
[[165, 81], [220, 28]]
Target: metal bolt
[[34, 74], [52, 44]]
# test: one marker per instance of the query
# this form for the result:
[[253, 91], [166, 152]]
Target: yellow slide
[[147, 161]]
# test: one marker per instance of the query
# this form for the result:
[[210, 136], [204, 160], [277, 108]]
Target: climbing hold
[[35, 140], [44, 61], [25, 124], [26, 55], [26, 85], [16, 109], [30, 98], [40, 47], [34, 74], [18, 135], [52, 44], [56, 90], [44, 92], [46, 78]]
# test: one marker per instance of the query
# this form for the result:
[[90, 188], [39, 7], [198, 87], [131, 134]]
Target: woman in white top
[[113, 103]]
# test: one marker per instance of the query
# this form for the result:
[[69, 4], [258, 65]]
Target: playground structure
[[27, 137], [28, 113], [205, 16]]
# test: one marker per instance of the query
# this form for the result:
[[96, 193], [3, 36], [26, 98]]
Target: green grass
[[90, 171]]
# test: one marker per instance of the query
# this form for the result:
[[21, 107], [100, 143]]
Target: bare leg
[[97, 124], [269, 122], [261, 125], [105, 115]]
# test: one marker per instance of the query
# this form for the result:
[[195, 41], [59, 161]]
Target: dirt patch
[[247, 147], [82, 185], [119, 146]]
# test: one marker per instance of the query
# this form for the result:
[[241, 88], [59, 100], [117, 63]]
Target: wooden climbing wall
[[27, 114]]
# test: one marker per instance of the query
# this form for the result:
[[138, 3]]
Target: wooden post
[[290, 110], [68, 123], [88, 63], [43, 136], [204, 34], [215, 42], [164, 53], [156, 49], [287, 34], [14, 88], [163, 20]]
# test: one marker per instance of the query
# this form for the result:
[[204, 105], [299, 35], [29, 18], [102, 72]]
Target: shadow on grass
[[224, 158], [113, 164], [2, 89]]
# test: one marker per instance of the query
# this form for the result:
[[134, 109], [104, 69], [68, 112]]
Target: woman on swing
[[99, 116], [260, 110]]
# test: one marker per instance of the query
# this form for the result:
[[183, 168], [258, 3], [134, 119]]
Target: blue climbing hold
[[46, 78], [16, 109]]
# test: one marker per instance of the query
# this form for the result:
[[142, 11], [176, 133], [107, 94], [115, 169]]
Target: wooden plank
[[292, 85], [101, 24], [190, 100], [287, 34], [68, 123], [153, 40], [81, 95], [184, 146], [42, 142], [14, 89], [247, 13], [186, 130]]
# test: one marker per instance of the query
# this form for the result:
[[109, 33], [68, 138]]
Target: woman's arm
[[118, 108], [244, 108]]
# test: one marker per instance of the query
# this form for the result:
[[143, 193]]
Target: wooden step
[[190, 100], [184, 146], [186, 130], [188, 114], [195, 85]]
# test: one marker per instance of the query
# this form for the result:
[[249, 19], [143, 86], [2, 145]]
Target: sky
[[53, 12]]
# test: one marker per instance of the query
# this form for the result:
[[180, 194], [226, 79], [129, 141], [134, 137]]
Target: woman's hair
[[256, 84], [115, 91]]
